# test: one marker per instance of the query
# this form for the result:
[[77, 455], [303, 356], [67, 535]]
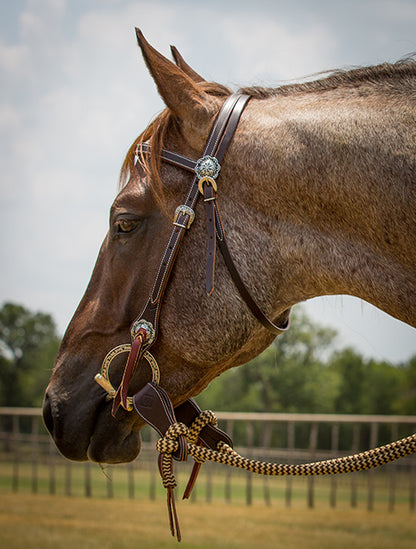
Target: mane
[[391, 74], [388, 73]]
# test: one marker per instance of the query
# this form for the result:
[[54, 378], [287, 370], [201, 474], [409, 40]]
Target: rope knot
[[170, 444], [204, 418]]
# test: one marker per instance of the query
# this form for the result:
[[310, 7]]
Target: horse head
[[317, 192], [200, 335]]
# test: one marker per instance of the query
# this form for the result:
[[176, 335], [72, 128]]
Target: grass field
[[54, 522]]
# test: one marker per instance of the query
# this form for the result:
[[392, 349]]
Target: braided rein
[[226, 455]]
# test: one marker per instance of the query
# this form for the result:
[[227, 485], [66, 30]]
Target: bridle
[[144, 329]]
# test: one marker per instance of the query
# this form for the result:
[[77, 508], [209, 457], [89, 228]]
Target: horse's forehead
[[137, 190]]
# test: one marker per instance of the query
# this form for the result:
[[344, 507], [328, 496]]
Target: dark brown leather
[[209, 199], [153, 405], [210, 435], [220, 141], [226, 121]]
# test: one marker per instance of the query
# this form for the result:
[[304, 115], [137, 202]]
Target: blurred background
[[74, 93]]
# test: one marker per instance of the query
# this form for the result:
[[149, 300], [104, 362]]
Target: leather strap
[[154, 406], [239, 283], [221, 134], [214, 225]]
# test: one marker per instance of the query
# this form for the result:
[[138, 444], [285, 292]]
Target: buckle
[[209, 181], [184, 210]]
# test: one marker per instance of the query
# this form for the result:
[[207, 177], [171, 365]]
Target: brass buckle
[[184, 210], [209, 180]]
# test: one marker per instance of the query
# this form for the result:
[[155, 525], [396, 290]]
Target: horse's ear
[[181, 63], [177, 89]]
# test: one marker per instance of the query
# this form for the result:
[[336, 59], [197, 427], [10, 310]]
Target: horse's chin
[[115, 440], [123, 448]]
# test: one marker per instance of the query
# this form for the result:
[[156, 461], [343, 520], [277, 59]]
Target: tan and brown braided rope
[[226, 455]]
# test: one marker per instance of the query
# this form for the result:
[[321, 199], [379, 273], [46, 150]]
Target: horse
[[317, 192]]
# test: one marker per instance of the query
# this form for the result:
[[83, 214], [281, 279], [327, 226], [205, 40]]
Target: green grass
[[53, 522], [141, 482]]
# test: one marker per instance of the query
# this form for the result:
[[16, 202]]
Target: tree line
[[300, 372]]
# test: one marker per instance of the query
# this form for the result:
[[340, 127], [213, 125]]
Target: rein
[[186, 430]]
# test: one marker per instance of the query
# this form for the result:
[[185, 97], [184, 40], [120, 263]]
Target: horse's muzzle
[[87, 431]]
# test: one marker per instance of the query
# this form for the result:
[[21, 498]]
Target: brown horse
[[318, 196]]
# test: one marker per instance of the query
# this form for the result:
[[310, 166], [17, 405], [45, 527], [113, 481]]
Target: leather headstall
[[144, 329]]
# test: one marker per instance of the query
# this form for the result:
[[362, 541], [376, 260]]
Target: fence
[[29, 461]]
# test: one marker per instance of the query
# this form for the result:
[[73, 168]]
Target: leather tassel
[[173, 516], [192, 479], [120, 397], [209, 199]]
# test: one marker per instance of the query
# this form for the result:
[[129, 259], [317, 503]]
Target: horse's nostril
[[47, 415]]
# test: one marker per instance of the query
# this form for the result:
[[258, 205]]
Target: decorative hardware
[[184, 210]]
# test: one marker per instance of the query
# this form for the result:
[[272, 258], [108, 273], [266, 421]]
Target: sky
[[74, 94]]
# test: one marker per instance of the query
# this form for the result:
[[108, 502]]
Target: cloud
[[267, 48], [75, 93]]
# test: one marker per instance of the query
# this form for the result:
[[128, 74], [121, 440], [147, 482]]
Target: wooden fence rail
[[29, 461]]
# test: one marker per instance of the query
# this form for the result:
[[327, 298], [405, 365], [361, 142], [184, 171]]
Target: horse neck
[[340, 169]]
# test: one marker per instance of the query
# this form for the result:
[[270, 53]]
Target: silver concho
[[147, 326], [207, 166]]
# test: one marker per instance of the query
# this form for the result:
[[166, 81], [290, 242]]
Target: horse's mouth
[[84, 435], [114, 441]]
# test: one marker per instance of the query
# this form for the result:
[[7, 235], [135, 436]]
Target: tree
[[28, 345], [290, 376]]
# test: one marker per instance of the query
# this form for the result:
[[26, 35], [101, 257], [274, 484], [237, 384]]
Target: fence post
[[266, 441], [16, 453], [88, 487], [52, 476], [68, 478], [393, 471], [35, 453], [313, 440], [371, 487], [291, 449], [130, 479], [109, 482], [229, 429], [355, 447], [334, 449], [249, 477]]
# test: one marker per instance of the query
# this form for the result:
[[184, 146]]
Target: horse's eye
[[126, 225]]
